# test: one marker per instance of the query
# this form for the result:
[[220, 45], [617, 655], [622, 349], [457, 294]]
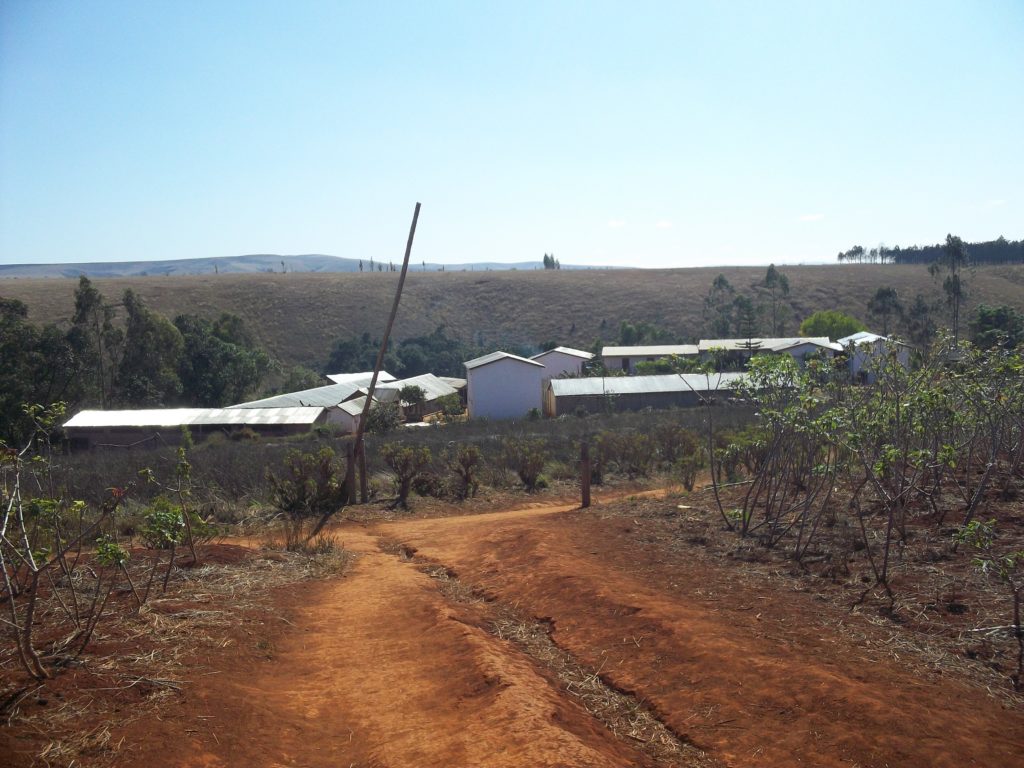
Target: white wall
[[863, 356], [504, 389], [558, 363]]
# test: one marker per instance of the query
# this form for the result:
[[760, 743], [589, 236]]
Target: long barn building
[[601, 394]]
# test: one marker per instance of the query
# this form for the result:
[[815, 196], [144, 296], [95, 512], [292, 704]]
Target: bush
[[464, 462], [526, 458], [312, 486], [162, 524], [407, 462]]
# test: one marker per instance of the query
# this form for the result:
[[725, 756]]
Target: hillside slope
[[297, 316]]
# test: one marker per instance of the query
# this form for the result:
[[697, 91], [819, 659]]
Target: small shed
[[865, 350], [434, 388], [162, 426], [601, 394], [503, 386], [562, 361], [626, 358]]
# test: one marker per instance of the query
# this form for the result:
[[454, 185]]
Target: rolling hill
[[298, 316]]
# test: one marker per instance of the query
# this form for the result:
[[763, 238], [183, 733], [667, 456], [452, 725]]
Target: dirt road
[[541, 637]]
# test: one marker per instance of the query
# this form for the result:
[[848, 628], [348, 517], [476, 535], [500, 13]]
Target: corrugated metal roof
[[861, 337], [782, 347], [495, 356], [353, 407], [566, 351], [630, 385], [432, 386], [650, 350], [325, 397], [762, 344], [180, 417], [453, 382], [359, 379]]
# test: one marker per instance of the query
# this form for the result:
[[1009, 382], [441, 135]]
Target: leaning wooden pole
[[360, 453]]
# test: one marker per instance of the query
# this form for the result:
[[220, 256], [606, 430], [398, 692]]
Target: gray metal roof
[[432, 386], [763, 344], [495, 356], [181, 417], [650, 350], [566, 351], [359, 379], [453, 382], [629, 385], [326, 397]]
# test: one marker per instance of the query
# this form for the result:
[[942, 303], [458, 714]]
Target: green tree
[[831, 323], [718, 308], [950, 262], [884, 304], [744, 315], [219, 365], [39, 366], [997, 326], [920, 324], [148, 373], [777, 286], [96, 342]]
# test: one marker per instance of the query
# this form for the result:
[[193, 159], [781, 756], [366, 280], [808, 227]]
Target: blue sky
[[648, 134]]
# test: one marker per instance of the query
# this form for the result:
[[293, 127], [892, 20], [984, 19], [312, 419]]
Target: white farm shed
[[330, 398], [626, 358], [563, 360], [162, 426], [865, 350], [503, 386]]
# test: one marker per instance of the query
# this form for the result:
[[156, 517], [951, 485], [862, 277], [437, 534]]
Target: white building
[[161, 426], [562, 360], [866, 350], [503, 386]]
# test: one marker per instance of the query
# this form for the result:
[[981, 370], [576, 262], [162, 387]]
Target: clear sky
[[632, 133]]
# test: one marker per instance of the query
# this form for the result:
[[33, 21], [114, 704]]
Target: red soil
[[380, 669]]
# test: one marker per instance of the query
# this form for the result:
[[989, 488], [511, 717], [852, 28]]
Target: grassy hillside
[[297, 316]]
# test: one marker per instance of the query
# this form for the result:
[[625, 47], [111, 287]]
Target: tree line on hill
[[998, 251]]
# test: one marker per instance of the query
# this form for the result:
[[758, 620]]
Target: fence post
[[585, 474]]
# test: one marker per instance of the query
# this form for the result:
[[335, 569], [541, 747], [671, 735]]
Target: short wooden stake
[[585, 475]]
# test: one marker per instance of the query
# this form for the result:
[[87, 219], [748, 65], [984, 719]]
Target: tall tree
[[919, 322], [39, 367], [950, 262], [220, 365], [718, 308], [884, 304], [777, 285], [96, 342], [148, 374]]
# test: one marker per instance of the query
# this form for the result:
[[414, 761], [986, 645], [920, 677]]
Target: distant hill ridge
[[247, 264]]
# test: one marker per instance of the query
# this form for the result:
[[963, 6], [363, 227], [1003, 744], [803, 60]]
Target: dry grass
[[298, 316]]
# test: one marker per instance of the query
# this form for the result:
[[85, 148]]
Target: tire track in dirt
[[752, 698]]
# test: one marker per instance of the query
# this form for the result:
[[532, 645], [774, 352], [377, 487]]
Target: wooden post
[[350, 473], [585, 474], [360, 447]]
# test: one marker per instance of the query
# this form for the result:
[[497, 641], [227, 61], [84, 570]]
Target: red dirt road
[[381, 668]]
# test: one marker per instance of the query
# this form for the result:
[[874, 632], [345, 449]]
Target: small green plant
[[163, 526]]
